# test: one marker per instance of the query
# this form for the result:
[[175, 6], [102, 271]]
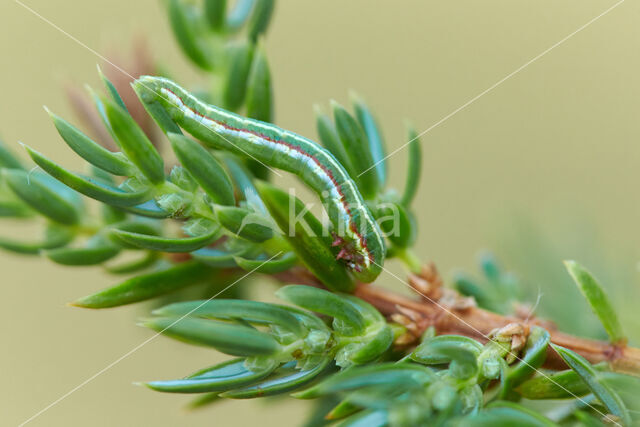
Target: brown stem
[[478, 323], [450, 313]]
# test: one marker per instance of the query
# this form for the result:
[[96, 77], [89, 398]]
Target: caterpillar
[[356, 232]]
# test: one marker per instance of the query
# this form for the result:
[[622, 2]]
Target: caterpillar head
[[348, 253]]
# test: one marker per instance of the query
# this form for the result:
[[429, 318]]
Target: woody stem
[[428, 310]]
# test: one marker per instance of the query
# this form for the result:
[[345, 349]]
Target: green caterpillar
[[355, 229]]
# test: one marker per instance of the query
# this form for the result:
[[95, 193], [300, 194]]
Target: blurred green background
[[541, 169]]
